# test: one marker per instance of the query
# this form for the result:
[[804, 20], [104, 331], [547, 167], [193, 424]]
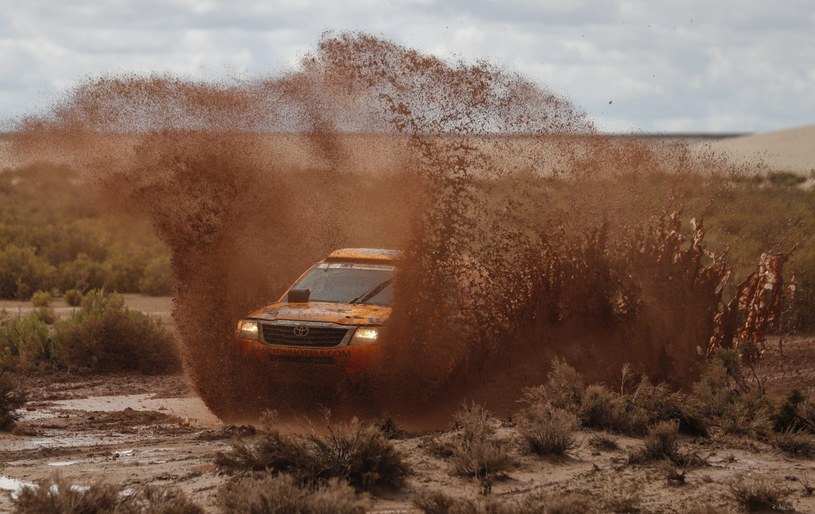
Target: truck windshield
[[349, 282]]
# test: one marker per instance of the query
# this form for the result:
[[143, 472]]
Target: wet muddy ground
[[135, 429]]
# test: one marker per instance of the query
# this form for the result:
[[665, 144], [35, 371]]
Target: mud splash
[[526, 233]]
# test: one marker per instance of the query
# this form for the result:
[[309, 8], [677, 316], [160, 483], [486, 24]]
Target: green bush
[[103, 335], [22, 272], [11, 399], [73, 297], [40, 299], [66, 242], [157, 279], [25, 343], [84, 273]]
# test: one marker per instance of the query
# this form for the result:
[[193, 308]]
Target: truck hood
[[340, 313]]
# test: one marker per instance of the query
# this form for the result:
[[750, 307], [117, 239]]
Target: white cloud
[[688, 65]]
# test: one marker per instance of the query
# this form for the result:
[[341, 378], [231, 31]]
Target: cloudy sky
[[643, 65]]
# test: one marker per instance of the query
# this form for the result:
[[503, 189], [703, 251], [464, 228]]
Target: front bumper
[[290, 352]]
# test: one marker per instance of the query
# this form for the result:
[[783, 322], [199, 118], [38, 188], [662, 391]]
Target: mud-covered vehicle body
[[332, 316]]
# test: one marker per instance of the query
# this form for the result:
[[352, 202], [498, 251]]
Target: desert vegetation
[[356, 453], [11, 399], [55, 234], [59, 495], [102, 335]]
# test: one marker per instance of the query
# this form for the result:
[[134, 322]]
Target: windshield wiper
[[364, 297]]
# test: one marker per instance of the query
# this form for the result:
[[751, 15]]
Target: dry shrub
[[566, 504], [603, 442], [362, 455], [357, 453], [716, 391], [630, 413], [73, 297], [706, 509], [794, 442], [564, 387], [10, 400], [651, 404], [57, 495], [721, 396], [760, 494], [437, 502], [46, 314], [435, 446], [749, 415], [797, 411], [661, 441], [547, 430], [157, 500], [624, 503], [674, 475], [475, 450], [275, 493], [603, 409], [40, 299], [104, 335], [660, 444]]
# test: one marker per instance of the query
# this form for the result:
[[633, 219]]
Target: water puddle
[[12, 485]]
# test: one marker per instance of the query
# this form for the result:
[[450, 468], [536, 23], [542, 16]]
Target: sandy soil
[[783, 150], [131, 429]]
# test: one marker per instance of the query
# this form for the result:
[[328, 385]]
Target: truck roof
[[364, 254]]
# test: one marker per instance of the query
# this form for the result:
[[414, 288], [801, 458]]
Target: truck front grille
[[303, 335]]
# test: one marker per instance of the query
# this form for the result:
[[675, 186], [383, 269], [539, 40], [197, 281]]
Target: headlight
[[248, 330], [365, 335]]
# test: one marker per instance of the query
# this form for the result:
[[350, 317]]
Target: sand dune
[[784, 150]]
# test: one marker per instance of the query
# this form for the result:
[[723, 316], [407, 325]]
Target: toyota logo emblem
[[301, 331]]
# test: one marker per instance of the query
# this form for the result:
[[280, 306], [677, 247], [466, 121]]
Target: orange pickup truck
[[331, 316]]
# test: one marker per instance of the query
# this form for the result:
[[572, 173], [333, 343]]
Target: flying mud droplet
[[526, 234]]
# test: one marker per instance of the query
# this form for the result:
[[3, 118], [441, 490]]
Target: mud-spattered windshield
[[349, 282]]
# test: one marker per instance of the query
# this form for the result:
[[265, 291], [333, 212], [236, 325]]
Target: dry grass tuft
[[631, 412], [674, 475], [274, 493], [760, 494], [357, 453], [795, 443], [563, 388], [661, 443], [57, 495], [604, 410], [603, 442], [547, 430], [475, 450], [437, 502]]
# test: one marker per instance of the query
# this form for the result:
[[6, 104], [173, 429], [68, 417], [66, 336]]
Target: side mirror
[[298, 295]]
